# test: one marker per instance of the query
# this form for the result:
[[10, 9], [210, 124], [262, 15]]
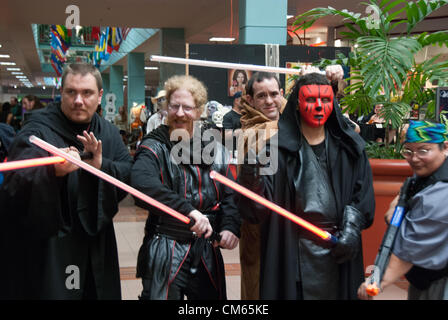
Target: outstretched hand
[[91, 144]]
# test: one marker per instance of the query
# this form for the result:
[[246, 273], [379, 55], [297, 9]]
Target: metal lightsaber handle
[[257, 198]]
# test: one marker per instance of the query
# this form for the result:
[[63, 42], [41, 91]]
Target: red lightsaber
[[285, 213], [52, 149], [21, 164]]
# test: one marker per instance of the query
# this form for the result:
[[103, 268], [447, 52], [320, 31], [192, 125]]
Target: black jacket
[[286, 249], [50, 223], [183, 187]]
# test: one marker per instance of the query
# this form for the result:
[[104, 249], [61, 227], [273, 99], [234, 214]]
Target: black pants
[[194, 287]]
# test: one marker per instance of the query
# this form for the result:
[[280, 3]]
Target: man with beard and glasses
[[176, 259]]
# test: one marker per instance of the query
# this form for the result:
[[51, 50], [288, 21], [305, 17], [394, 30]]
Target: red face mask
[[315, 104]]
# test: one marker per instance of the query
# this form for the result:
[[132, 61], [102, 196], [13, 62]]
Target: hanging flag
[[116, 38], [63, 39], [57, 65], [125, 32], [109, 46], [96, 33]]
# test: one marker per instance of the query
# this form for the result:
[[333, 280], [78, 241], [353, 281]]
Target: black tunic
[[52, 227], [287, 250]]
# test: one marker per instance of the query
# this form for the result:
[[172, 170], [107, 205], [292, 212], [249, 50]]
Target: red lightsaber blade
[[21, 164], [52, 149], [285, 213]]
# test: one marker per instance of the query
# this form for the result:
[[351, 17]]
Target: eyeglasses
[[420, 153], [176, 107]]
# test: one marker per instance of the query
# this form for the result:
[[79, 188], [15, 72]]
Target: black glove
[[350, 236]]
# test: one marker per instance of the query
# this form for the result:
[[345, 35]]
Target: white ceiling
[[200, 19]]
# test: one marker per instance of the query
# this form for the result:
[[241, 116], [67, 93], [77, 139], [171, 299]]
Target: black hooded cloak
[[286, 247], [54, 229]]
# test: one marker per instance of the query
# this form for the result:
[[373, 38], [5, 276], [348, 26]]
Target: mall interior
[[37, 38]]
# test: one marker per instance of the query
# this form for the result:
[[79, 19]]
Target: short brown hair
[[189, 83], [83, 69]]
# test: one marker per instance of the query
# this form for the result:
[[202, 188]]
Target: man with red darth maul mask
[[324, 177]]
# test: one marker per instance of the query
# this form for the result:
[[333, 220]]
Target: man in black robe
[[56, 232], [324, 177]]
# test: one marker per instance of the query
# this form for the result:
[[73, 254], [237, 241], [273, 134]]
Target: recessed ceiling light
[[5, 56], [221, 39], [13, 69], [7, 63], [151, 68], [15, 73]]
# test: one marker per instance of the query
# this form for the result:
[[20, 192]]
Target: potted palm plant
[[382, 63], [383, 70]]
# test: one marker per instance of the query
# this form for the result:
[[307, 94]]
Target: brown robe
[[249, 245]]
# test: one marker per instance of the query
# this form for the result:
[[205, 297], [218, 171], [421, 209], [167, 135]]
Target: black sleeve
[[363, 197], [33, 197], [147, 176]]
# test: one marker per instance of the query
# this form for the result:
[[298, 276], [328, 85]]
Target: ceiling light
[[7, 63], [289, 16], [221, 39], [15, 73], [13, 69], [5, 56], [43, 87], [151, 68], [21, 77]]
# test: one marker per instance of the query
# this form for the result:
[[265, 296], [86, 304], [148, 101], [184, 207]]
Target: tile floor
[[129, 225]]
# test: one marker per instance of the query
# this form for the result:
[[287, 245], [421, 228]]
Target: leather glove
[[350, 236]]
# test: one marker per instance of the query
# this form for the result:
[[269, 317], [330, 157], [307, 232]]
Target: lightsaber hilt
[[270, 205]]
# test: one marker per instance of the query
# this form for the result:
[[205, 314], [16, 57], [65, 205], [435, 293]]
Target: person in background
[[121, 119], [420, 251], [261, 109], [159, 116], [29, 103]]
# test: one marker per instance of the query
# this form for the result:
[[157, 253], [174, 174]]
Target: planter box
[[388, 177]]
